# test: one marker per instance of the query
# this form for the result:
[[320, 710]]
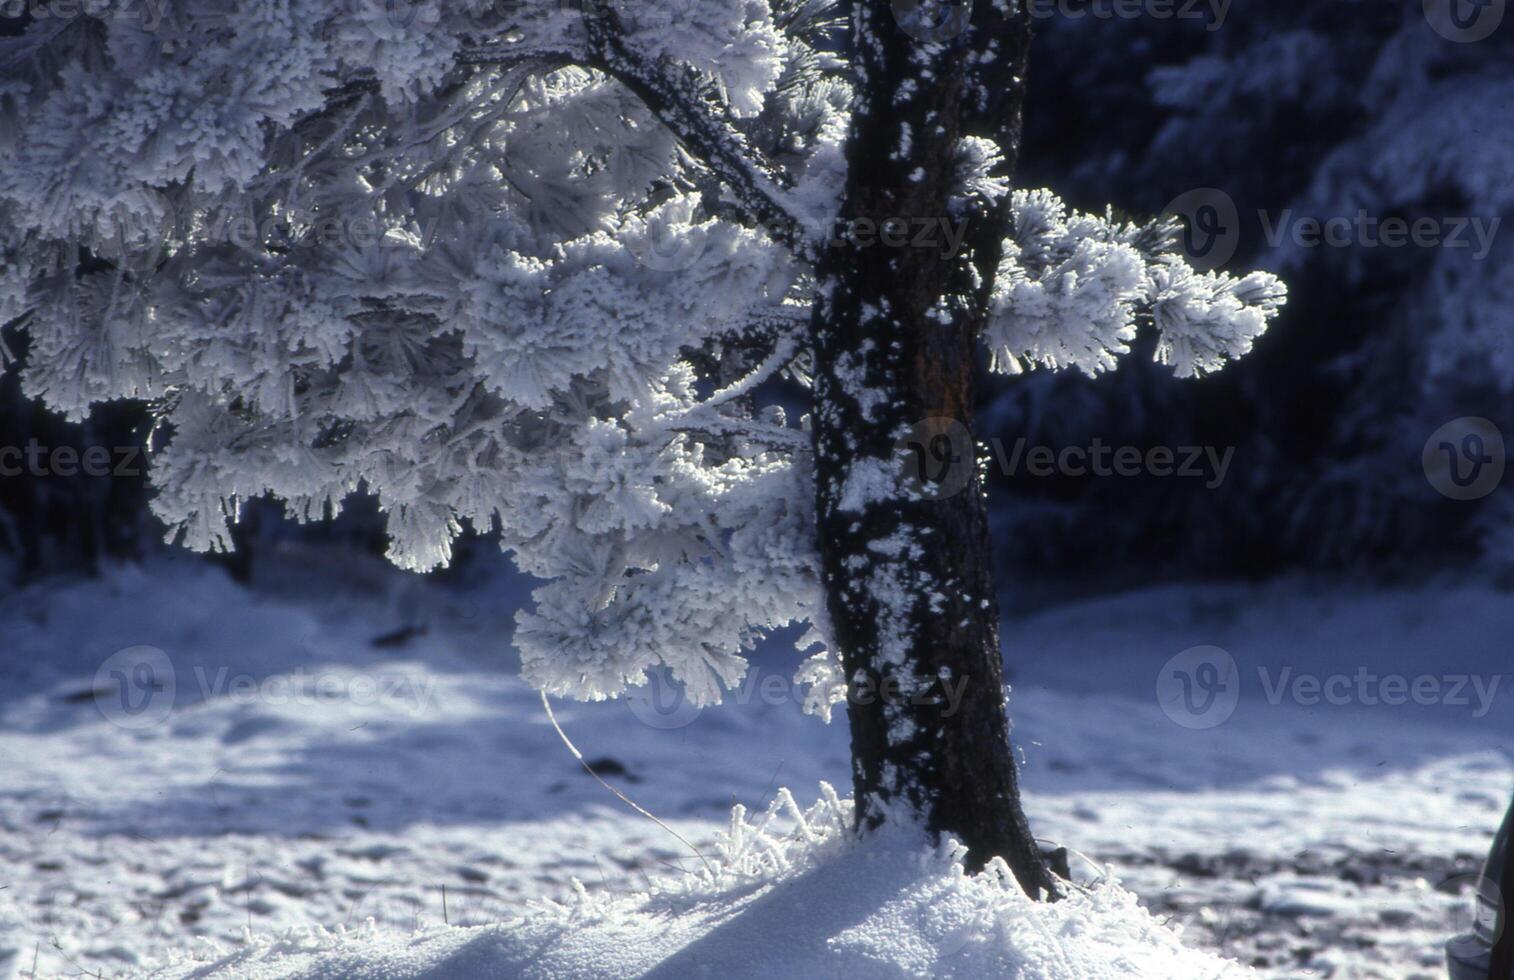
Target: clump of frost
[[790, 894]]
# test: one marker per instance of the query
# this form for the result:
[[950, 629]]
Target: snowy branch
[[1071, 287], [686, 104]]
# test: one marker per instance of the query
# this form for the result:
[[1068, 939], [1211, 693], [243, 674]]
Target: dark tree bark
[[902, 521], [1501, 863]]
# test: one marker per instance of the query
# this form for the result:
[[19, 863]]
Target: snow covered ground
[[186, 762]]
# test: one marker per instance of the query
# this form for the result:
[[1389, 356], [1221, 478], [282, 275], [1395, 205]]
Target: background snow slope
[[371, 754]]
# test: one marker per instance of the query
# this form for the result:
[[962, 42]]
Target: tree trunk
[[906, 553]]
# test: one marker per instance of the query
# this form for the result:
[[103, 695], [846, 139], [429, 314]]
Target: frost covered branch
[[1072, 287]]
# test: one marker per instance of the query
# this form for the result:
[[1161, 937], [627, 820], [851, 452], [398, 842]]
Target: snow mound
[[811, 901]]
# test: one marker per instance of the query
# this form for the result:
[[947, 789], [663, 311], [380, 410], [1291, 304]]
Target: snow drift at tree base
[[811, 901]]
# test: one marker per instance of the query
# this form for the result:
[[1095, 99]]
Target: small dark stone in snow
[[86, 695], [250, 728], [399, 637], [1195, 865], [373, 852], [606, 766]]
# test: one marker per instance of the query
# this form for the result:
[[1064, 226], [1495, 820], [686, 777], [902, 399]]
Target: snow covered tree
[[539, 268]]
